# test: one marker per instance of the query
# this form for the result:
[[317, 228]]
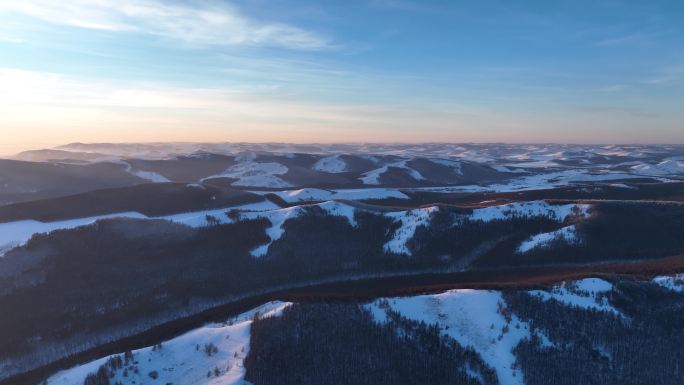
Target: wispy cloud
[[396, 4], [668, 75], [622, 39], [7, 38], [203, 22]]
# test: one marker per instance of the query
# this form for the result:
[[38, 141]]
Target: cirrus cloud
[[210, 23]]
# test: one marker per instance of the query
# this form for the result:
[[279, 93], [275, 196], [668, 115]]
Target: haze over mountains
[[84, 167]]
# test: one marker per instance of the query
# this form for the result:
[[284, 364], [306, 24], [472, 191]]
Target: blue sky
[[356, 70]]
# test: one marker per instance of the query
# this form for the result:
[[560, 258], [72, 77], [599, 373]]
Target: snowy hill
[[210, 355]]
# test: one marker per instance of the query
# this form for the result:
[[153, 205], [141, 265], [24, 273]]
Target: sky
[[600, 71]]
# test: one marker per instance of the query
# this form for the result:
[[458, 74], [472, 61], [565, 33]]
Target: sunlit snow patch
[[250, 173], [277, 219], [17, 233], [373, 176], [305, 194], [409, 221], [339, 210], [671, 166], [529, 210], [216, 216], [151, 176], [280, 216], [316, 194], [369, 193], [566, 234], [588, 293], [13, 234], [147, 175], [674, 283], [330, 164], [212, 354], [474, 319]]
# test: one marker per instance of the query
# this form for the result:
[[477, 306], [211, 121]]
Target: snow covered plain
[[210, 355]]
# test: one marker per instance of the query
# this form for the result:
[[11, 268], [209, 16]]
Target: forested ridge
[[93, 279]]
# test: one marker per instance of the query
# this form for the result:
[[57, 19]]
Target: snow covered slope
[[589, 293], [566, 234], [316, 194], [409, 221], [373, 176], [331, 164], [210, 355], [529, 210], [278, 218], [255, 174], [671, 166], [147, 175], [481, 320], [474, 318], [674, 283], [13, 234]]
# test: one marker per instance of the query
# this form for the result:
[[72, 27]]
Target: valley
[[109, 270]]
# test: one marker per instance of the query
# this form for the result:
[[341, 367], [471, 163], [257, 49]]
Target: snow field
[[14, 234], [566, 234], [674, 283], [528, 210], [250, 173], [330, 164], [280, 216], [373, 176], [474, 319], [409, 221], [316, 194], [210, 355], [588, 293]]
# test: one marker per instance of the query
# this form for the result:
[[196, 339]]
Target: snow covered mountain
[[101, 245]]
